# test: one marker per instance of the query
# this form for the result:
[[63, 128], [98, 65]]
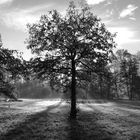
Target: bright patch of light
[[124, 35], [94, 2], [47, 103], [84, 107], [37, 105]]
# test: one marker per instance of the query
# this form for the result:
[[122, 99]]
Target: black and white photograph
[[69, 70]]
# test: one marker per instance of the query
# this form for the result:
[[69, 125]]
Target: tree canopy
[[69, 46]]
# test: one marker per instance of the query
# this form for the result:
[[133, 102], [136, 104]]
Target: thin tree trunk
[[73, 91], [108, 93], [116, 87], [131, 89], [100, 86], [128, 87]]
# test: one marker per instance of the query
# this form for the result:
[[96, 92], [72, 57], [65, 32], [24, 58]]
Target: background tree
[[10, 69], [132, 76], [125, 67], [66, 45]]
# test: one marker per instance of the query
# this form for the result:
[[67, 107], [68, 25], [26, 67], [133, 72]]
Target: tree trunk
[[131, 91], [108, 93], [73, 91], [100, 86], [116, 92], [130, 88]]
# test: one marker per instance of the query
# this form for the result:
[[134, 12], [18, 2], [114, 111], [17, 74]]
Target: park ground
[[43, 119]]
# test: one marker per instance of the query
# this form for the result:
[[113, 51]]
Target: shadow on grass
[[100, 101], [127, 104], [48, 125]]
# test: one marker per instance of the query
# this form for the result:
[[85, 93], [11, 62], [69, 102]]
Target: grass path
[[48, 120]]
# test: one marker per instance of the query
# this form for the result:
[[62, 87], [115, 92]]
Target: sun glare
[[124, 35]]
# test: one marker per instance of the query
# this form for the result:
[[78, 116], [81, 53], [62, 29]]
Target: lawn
[[43, 119]]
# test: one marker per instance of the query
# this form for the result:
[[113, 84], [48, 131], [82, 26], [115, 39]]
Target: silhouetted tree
[[64, 43]]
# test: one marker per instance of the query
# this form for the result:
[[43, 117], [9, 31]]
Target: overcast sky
[[121, 16]]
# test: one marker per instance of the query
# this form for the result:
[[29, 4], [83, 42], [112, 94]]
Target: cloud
[[94, 2], [5, 1], [132, 18], [108, 3], [129, 11], [18, 18], [109, 13]]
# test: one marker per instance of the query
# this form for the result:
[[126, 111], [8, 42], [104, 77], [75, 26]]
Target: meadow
[[43, 119]]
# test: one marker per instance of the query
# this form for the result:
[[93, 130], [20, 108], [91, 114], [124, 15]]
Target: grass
[[48, 120]]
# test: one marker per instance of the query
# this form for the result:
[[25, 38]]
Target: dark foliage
[[69, 47]]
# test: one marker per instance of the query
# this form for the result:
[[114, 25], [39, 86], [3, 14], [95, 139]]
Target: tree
[[118, 67], [125, 73], [10, 68], [66, 45], [132, 76]]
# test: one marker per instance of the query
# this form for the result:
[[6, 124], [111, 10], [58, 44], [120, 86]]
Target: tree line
[[118, 79]]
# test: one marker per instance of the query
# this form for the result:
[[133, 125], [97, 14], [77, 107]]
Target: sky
[[120, 16]]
